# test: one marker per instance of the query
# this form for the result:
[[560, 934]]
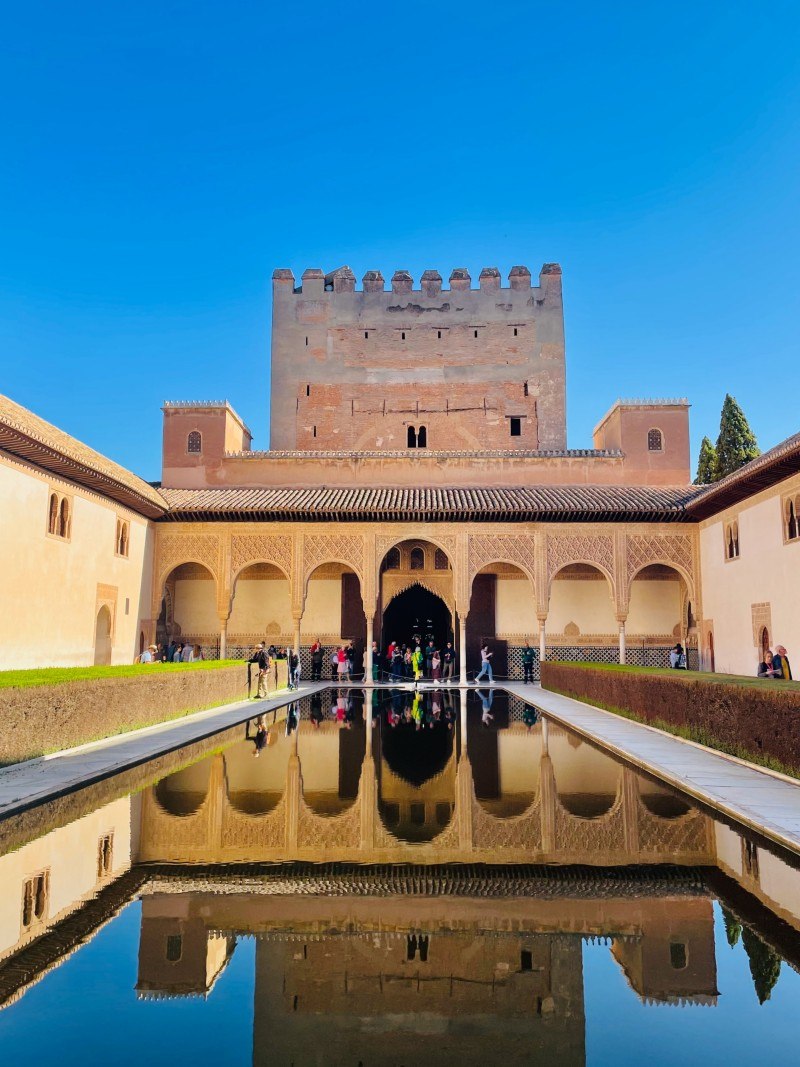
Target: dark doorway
[[417, 611]]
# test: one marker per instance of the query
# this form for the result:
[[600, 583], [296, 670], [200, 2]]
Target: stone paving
[[761, 799], [25, 784]]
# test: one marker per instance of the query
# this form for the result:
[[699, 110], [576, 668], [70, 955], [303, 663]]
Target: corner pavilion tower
[[419, 477]]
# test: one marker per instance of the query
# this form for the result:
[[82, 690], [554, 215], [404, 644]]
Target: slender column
[[293, 793], [542, 637], [223, 635], [621, 620], [462, 648], [368, 649], [547, 811], [297, 619]]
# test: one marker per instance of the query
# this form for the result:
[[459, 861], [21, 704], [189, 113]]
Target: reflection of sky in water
[[621, 1030]]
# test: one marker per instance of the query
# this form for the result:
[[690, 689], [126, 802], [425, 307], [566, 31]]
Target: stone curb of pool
[[24, 785]]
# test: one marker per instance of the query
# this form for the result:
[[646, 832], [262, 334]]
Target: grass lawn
[[705, 677], [58, 675]]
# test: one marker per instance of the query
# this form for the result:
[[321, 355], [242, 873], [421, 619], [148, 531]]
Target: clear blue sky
[[158, 160]]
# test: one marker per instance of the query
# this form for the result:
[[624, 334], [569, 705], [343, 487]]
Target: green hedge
[[59, 675], [754, 719]]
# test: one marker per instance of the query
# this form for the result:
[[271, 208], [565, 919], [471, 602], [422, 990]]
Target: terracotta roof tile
[[562, 503]]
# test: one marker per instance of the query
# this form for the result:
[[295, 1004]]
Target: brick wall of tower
[[355, 369]]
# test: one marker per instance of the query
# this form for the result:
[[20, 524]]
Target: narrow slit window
[[515, 427], [366, 335], [515, 331], [403, 335], [315, 431], [411, 437], [306, 342], [439, 334], [308, 390], [422, 437], [475, 333], [524, 388]]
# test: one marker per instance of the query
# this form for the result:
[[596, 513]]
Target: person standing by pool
[[527, 662], [316, 661], [486, 667], [436, 666], [449, 660]]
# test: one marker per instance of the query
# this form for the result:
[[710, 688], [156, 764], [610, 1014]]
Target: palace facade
[[419, 480]]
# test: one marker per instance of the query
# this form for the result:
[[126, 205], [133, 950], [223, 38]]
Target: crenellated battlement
[[314, 281]]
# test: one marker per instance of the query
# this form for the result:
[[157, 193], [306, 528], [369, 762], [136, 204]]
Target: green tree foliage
[[733, 928], [765, 965], [736, 444], [706, 464]]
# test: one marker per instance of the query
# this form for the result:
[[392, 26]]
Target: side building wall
[[68, 600], [751, 594]]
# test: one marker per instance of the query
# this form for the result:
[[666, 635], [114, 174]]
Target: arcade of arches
[[604, 587]]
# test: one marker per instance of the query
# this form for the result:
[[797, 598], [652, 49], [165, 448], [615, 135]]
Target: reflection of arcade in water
[[418, 778], [498, 979]]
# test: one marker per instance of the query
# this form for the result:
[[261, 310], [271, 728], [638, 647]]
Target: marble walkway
[[760, 799], [24, 785]]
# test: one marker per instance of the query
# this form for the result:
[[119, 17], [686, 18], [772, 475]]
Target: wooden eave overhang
[[16, 442]]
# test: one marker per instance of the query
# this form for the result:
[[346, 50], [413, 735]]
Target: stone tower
[[442, 369]]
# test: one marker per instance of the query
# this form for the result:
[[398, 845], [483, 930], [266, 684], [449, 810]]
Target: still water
[[393, 880]]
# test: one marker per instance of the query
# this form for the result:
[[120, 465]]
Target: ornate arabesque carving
[[261, 548], [674, 549], [345, 548], [440, 585], [519, 549], [580, 548], [188, 548]]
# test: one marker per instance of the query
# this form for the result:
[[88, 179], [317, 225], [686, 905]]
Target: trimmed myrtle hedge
[[746, 717]]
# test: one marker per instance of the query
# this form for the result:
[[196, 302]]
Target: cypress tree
[[736, 444], [765, 965], [733, 928], [706, 464]]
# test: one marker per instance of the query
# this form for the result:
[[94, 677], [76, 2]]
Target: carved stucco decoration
[[671, 549], [563, 550], [523, 832], [761, 615], [519, 549], [188, 548], [603, 834], [440, 585], [324, 832], [261, 548], [447, 543], [347, 548]]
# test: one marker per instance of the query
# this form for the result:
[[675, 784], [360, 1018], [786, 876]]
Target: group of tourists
[[415, 662], [775, 665], [174, 652]]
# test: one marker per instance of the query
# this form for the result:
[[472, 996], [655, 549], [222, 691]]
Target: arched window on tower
[[194, 442], [655, 441], [411, 437], [417, 559], [422, 437]]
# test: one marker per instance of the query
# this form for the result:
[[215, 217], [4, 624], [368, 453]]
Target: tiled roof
[[25, 435], [766, 470], [561, 503]]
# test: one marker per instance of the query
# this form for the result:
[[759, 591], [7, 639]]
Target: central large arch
[[417, 611], [416, 594]]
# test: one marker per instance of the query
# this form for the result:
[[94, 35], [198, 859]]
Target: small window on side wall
[[194, 442], [655, 441], [732, 540], [515, 427], [792, 527]]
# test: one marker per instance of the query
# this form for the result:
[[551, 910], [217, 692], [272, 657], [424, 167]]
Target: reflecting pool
[[393, 878]]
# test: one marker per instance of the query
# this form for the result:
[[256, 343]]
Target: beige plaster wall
[[195, 607], [69, 854], [515, 608], [259, 603], [767, 572], [588, 604], [49, 586], [655, 607], [323, 610]]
